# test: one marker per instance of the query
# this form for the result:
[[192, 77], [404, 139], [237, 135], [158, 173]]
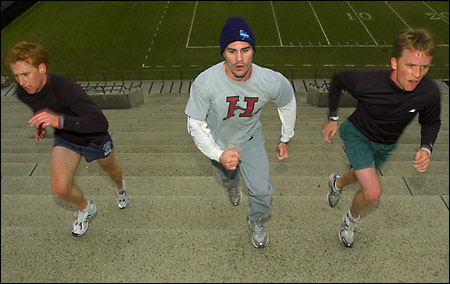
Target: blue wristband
[[61, 124]]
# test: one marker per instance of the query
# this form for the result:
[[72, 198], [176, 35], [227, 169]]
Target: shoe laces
[[122, 197], [81, 215], [335, 192], [233, 192], [350, 225], [258, 226]]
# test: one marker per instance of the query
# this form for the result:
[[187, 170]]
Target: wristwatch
[[332, 117]]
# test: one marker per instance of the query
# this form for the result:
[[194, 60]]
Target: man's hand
[[282, 151], [230, 159], [44, 118], [329, 130], [39, 134], [422, 160]]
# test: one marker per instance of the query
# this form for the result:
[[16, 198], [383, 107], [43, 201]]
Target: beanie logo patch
[[243, 35]]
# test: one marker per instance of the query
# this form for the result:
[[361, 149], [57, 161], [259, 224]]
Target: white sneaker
[[347, 232], [81, 222], [235, 195], [335, 193], [260, 237], [122, 199]]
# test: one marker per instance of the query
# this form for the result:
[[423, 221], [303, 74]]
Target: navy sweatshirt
[[84, 121], [384, 109]]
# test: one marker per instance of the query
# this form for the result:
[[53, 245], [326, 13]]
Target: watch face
[[332, 117]]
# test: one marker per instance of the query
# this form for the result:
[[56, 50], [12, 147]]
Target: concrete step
[[199, 157], [154, 138], [180, 226], [209, 232], [181, 136], [298, 185], [222, 255], [405, 168], [176, 117], [210, 212], [189, 147], [303, 134], [156, 168], [160, 110], [180, 102], [161, 148], [167, 127]]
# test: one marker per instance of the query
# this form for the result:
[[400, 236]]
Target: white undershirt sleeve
[[203, 138], [288, 114]]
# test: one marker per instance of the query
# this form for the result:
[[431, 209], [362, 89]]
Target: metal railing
[[445, 78]]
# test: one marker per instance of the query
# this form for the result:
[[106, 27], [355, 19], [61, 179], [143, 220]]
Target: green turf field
[[299, 38]]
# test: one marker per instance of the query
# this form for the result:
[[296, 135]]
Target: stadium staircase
[[181, 227]]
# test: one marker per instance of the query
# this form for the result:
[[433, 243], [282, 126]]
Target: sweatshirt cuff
[[216, 155], [427, 147], [428, 150]]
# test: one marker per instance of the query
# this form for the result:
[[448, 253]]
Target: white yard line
[[276, 24], [362, 23], [307, 46], [279, 35], [317, 18], [393, 10], [154, 35], [313, 46], [192, 23], [440, 16], [204, 46]]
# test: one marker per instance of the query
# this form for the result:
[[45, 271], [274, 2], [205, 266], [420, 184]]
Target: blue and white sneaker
[[335, 193], [81, 222], [347, 232], [122, 198]]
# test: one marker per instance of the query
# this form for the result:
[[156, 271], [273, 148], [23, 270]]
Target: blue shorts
[[91, 152], [361, 152]]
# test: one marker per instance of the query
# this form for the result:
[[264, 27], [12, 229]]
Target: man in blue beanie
[[223, 119]]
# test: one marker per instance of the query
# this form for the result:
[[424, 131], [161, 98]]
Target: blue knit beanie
[[236, 29]]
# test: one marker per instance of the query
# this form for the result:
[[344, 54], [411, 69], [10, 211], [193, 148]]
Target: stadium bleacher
[[180, 226]]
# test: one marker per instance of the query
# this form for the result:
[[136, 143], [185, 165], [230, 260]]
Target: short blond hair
[[414, 39], [28, 52]]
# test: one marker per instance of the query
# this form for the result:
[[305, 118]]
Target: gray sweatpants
[[254, 167]]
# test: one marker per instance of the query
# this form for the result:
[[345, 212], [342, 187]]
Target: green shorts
[[361, 152]]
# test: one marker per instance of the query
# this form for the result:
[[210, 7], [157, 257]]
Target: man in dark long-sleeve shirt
[[84, 121], [388, 100], [81, 129]]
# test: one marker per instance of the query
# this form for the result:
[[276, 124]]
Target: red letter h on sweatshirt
[[232, 107]]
